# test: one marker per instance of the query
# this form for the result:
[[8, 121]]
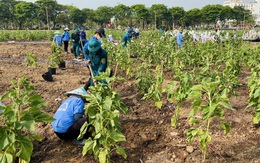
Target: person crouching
[[70, 117]]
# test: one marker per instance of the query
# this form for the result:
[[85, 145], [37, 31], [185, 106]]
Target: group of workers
[[79, 41], [70, 115]]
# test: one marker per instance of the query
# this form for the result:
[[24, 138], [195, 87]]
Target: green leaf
[[36, 137], [225, 104], [193, 121], [6, 139], [28, 125], [103, 156], [226, 127], [6, 157], [256, 93], [194, 94], [191, 134], [107, 104], [158, 104], [88, 146], [83, 130], [43, 117], [123, 108], [204, 140], [256, 120], [117, 137], [10, 114], [218, 112], [174, 121], [97, 136], [26, 148], [121, 151], [196, 103]]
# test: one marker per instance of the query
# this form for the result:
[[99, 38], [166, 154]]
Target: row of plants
[[206, 73], [26, 35]]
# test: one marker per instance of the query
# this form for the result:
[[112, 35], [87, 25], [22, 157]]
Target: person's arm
[[128, 39], [103, 63], [77, 116], [78, 110], [86, 52]]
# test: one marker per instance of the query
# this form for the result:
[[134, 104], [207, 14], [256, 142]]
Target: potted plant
[[53, 61], [57, 50], [32, 61]]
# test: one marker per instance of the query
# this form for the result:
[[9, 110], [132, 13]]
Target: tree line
[[48, 14]]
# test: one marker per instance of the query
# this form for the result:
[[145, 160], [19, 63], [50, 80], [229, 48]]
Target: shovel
[[91, 72]]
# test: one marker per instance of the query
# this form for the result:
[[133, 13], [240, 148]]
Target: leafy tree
[[7, 11], [103, 14], [4, 12], [193, 17], [63, 19], [48, 11], [122, 14], [89, 16], [141, 13], [211, 13], [76, 16], [177, 14], [242, 14], [158, 12], [226, 13], [23, 11]]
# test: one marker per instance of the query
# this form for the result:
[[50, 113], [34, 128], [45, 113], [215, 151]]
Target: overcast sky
[[94, 4]]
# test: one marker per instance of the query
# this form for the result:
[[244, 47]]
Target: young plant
[[55, 58], [254, 85], [19, 119], [155, 90], [31, 60], [144, 78], [103, 112], [209, 100], [178, 91]]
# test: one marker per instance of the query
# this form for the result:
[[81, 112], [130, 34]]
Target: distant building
[[254, 7], [256, 12]]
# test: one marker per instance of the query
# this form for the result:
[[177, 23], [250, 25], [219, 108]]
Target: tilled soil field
[[150, 136]]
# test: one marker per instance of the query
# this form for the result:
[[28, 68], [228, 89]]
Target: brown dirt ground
[[150, 137]]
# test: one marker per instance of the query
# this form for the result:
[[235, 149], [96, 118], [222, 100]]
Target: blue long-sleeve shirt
[[179, 39], [57, 39], [83, 35], [65, 36]]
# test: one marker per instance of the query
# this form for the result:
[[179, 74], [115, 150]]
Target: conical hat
[[79, 91]]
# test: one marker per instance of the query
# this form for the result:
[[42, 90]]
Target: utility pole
[[173, 23], [155, 22], [47, 16]]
